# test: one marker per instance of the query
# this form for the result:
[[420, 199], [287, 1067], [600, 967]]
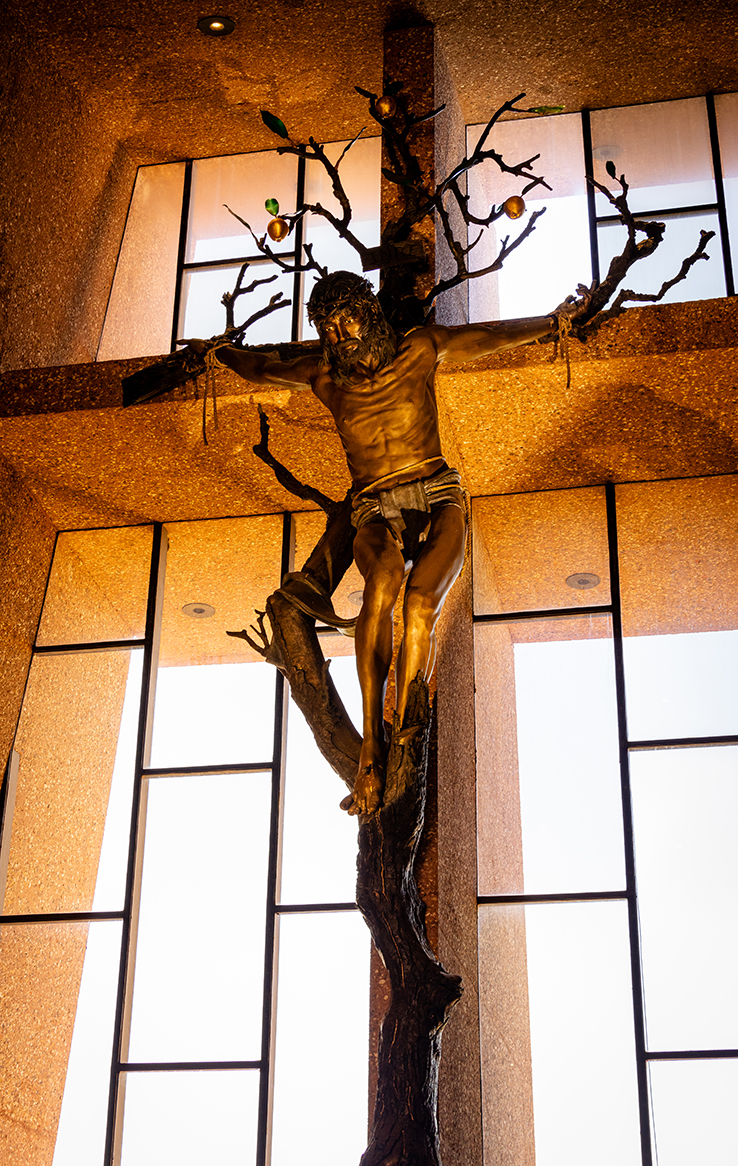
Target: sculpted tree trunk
[[405, 1128]]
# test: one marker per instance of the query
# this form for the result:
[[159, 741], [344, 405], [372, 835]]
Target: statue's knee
[[421, 610], [380, 593]]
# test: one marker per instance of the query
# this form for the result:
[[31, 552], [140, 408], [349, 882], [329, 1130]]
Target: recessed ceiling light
[[198, 610], [583, 580], [216, 25]]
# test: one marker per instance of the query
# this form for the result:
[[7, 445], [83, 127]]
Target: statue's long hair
[[344, 290]]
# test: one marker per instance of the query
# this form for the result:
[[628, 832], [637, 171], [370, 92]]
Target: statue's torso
[[389, 421]]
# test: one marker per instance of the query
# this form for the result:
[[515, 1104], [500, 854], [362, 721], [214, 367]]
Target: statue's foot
[[367, 793]]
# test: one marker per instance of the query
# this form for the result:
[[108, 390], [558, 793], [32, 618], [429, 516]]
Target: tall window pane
[[190, 1118], [319, 839], [556, 257], [685, 807], [694, 1112], [549, 816], [726, 110], [558, 1072], [663, 150], [139, 316], [679, 576], [321, 1063], [360, 175], [57, 985], [215, 696], [242, 182], [204, 875], [67, 843], [706, 279]]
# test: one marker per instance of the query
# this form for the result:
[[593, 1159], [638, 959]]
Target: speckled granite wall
[[27, 542], [65, 184]]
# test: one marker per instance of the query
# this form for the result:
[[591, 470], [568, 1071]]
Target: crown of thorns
[[339, 291]]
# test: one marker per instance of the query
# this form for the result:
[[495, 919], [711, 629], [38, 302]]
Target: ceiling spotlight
[[198, 610], [583, 580], [216, 25]]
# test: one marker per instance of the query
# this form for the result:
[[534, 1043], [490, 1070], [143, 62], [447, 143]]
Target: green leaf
[[543, 109], [397, 178], [393, 88], [272, 206], [610, 167], [275, 124], [365, 92]]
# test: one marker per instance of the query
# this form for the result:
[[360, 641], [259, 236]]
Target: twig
[[283, 475]]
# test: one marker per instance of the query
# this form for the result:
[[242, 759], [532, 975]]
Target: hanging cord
[[210, 386]]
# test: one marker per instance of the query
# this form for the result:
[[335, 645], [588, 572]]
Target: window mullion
[[183, 231], [298, 281], [629, 840], [717, 169], [591, 207], [271, 938], [154, 608]]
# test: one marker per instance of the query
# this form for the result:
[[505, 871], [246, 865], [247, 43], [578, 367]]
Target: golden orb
[[386, 106], [514, 206], [278, 229]]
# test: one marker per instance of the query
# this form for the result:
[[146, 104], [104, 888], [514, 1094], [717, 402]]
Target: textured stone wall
[[64, 187], [27, 542]]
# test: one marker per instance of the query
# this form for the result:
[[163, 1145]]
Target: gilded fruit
[[278, 229], [514, 206], [386, 106]]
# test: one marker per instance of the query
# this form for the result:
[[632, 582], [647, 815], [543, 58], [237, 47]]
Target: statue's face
[[344, 329]]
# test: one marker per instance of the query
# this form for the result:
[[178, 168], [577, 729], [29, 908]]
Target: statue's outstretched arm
[[262, 368], [470, 341]]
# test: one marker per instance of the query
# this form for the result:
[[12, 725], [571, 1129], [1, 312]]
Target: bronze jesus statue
[[408, 507]]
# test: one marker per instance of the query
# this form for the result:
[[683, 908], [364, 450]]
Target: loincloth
[[406, 509]]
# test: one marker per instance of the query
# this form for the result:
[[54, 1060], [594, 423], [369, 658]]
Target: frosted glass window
[[202, 312], [219, 714], [685, 806], [558, 1055], [138, 321], [693, 1105], [67, 842], [536, 552], [83, 1120], [726, 111], [215, 695], [321, 1052], [663, 149], [556, 257], [198, 988], [679, 583], [549, 803], [706, 279], [360, 175], [58, 987], [243, 182], [319, 839], [190, 1118]]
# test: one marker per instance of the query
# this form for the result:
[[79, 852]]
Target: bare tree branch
[[283, 475]]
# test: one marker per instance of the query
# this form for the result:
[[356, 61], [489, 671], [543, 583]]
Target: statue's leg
[[429, 582], [382, 566]]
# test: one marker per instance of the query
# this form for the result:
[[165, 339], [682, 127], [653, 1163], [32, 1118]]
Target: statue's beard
[[343, 358]]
